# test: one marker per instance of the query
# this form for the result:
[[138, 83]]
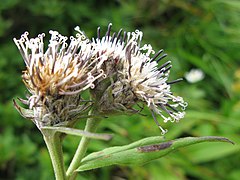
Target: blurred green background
[[195, 34]]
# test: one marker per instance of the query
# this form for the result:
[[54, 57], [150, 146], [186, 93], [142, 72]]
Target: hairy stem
[[91, 126], [53, 142]]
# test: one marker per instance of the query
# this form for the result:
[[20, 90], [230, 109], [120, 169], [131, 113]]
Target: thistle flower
[[138, 77], [56, 77]]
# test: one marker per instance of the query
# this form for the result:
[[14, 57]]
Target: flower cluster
[[120, 71]]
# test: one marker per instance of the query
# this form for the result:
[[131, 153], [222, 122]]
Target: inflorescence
[[124, 72]]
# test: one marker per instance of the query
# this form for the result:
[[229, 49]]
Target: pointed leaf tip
[[218, 139]]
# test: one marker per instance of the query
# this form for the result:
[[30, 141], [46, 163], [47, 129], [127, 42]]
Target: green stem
[[91, 126], [53, 142]]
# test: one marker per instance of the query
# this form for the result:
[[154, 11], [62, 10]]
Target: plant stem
[[53, 142], [91, 126]]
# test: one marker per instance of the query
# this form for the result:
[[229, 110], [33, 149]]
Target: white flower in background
[[194, 75], [55, 77]]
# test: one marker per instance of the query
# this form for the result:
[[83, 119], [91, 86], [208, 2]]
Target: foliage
[[195, 34]]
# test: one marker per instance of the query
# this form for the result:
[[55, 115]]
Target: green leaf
[[78, 132], [141, 152]]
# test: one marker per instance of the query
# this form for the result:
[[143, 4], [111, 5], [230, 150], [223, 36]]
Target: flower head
[[55, 77], [139, 79], [149, 83]]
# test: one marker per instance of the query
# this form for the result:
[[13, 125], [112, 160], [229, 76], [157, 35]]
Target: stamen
[[128, 56], [162, 106], [175, 81], [53, 66], [124, 37], [78, 84], [163, 56], [118, 35], [38, 74], [98, 33], [32, 80], [113, 37], [145, 79], [174, 109], [141, 67], [109, 30], [156, 55], [168, 68], [157, 123], [164, 65]]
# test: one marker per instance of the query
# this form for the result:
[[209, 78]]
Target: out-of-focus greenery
[[195, 34]]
